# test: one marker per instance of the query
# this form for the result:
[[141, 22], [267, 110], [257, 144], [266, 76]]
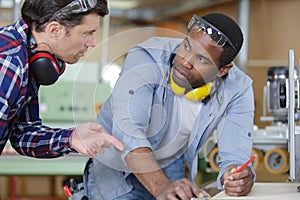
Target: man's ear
[[54, 29], [224, 70]]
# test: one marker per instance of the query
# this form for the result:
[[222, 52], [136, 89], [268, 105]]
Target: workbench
[[267, 191], [14, 165], [22, 165]]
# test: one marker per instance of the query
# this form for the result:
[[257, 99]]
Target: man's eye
[[88, 34], [202, 60]]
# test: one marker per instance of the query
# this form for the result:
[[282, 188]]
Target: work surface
[[268, 191], [22, 165]]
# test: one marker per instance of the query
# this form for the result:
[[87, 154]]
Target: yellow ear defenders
[[193, 95]]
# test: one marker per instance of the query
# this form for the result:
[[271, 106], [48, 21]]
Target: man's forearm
[[146, 169]]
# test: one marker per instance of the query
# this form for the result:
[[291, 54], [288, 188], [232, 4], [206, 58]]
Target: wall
[[274, 30]]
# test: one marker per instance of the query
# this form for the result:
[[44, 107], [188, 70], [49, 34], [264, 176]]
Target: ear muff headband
[[45, 68], [193, 95], [59, 67]]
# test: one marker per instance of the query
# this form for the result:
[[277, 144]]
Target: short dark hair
[[233, 32], [37, 13]]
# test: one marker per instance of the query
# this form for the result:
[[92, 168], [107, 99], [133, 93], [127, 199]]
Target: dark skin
[[142, 162], [182, 189], [195, 64], [237, 184]]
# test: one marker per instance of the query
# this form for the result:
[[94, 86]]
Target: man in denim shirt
[[172, 94]]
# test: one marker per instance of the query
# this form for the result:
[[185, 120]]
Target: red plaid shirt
[[19, 106]]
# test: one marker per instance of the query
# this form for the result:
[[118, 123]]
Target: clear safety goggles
[[216, 37], [78, 6]]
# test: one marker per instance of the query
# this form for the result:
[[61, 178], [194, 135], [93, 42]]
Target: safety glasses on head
[[78, 6], [217, 38]]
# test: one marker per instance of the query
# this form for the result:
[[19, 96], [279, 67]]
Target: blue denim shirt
[[138, 113]]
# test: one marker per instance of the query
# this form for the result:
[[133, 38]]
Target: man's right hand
[[89, 139], [182, 189]]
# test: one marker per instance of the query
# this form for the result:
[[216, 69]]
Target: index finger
[[115, 142]]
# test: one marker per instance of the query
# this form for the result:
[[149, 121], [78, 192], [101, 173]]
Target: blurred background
[[270, 28]]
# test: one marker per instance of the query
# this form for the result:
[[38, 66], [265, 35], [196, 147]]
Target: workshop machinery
[[277, 146]]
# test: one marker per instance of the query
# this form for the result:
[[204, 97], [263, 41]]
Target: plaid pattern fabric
[[19, 108]]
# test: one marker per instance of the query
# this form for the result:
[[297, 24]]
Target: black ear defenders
[[45, 67]]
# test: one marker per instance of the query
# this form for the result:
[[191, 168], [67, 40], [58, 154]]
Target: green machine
[[68, 102]]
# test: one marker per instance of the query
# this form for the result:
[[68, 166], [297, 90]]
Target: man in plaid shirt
[[49, 33]]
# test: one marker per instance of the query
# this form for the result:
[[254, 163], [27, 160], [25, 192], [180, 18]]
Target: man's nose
[[187, 61], [91, 41]]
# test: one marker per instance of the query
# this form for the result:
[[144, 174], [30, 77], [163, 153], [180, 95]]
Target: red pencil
[[245, 164]]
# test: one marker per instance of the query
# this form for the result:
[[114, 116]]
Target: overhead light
[[123, 4]]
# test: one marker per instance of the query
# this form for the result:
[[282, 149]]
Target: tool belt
[[73, 188]]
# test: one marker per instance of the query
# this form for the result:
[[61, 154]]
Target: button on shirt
[[19, 108]]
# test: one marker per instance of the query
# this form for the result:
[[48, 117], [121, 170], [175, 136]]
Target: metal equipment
[[277, 146], [273, 140], [294, 136], [283, 99]]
